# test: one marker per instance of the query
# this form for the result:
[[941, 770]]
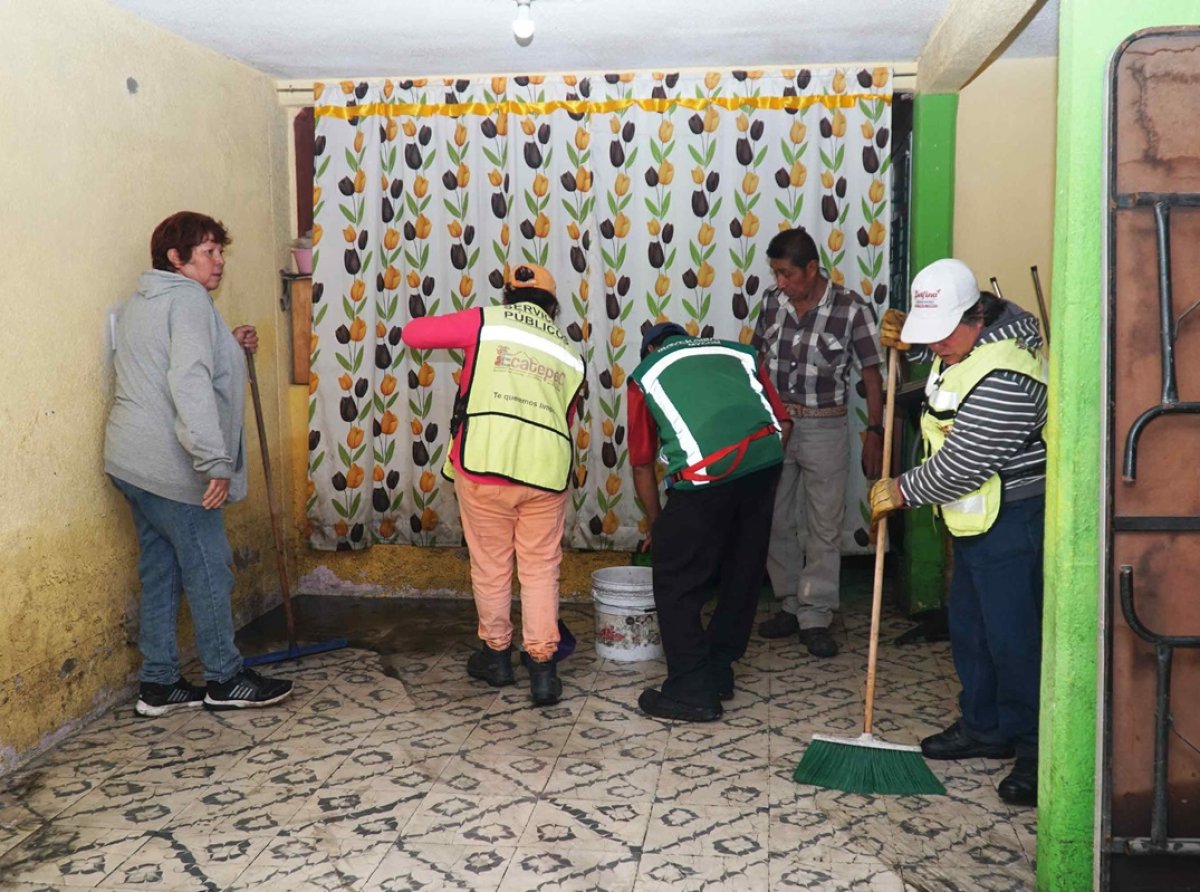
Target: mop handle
[[889, 418], [276, 527]]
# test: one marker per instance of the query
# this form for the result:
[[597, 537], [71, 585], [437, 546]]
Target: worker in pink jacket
[[511, 462]]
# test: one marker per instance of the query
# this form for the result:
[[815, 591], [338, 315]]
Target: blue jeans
[[183, 548], [996, 626]]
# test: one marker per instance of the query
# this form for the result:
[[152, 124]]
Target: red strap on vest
[[692, 472]]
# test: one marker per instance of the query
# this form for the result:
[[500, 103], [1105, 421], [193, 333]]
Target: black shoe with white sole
[[160, 699], [246, 690]]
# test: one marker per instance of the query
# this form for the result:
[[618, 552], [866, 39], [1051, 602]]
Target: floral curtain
[[648, 196]]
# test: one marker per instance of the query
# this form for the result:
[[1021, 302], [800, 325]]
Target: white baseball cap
[[941, 293]]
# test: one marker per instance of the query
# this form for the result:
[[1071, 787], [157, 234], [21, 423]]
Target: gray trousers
[[804, 560]]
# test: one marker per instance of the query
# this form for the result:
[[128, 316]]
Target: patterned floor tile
[[795, 871], [297, 863], [181, 861], [482, 772], [451, 818], [939, 879], [707, 830], [367, 811], [685, 873], [598, 739], [587, 825], [126, 804], [421, 867], [570, 870], [625, 780], [67, 855], [260, 811]]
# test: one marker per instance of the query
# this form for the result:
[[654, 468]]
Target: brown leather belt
[[795, 410]]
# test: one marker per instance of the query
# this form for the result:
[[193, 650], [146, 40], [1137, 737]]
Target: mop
[[293, 651], [866, 764]]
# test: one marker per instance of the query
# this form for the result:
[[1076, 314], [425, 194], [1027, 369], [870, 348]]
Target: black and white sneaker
[[159, 699], [246, 690]]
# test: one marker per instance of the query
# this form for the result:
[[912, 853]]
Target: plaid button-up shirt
[[809, 356]]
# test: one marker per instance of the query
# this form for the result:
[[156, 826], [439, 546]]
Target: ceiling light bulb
[[523, 23]]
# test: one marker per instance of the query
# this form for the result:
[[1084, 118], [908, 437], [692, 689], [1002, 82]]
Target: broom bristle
[[855, 766]]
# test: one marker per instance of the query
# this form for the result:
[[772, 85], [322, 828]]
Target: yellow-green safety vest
[[975, 512], [525, 377]]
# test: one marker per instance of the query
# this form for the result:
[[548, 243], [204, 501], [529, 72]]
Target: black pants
[[719, 532]]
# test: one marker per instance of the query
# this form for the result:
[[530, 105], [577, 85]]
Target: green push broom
[[866, 764]]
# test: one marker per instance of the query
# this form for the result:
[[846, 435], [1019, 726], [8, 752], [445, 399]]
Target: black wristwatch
[[875, 428]]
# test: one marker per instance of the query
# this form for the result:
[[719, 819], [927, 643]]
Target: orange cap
[[529, 275]]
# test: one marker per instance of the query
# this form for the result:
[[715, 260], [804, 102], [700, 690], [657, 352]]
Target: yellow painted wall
[[1004, 188], [107, 125]]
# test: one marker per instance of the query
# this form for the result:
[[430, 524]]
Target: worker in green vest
[[713, 416], [985, 473]]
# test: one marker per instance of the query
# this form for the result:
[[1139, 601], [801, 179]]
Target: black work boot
[[544, 685], [1020, 787], [492, 666]]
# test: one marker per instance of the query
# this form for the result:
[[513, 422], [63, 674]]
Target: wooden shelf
[[298, 300]]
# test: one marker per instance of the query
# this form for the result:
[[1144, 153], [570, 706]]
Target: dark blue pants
[[996, 626]]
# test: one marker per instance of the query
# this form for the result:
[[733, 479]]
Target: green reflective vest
[[525, 377], [975, 512], [714, 420]]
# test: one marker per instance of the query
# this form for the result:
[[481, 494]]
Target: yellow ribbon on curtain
[[584, 106]]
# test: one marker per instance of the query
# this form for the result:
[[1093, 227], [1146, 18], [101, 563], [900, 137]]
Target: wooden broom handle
[[889, 418], [276, 523]]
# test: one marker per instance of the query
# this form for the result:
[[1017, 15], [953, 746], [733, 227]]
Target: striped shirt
[[998, 429], [809, 356]]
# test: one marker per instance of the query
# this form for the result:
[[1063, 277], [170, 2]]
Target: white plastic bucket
[[626, 620]]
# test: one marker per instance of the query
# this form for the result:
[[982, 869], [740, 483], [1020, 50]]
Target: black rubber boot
[[492, 666], [544, 685]]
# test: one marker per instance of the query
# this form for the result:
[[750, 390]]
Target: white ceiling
[[297, 39]]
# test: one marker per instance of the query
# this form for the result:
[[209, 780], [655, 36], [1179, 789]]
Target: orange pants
[[498, 520]]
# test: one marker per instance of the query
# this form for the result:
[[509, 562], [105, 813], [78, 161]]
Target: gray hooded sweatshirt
[[177, 419]]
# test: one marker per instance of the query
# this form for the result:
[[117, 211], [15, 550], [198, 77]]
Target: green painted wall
[[1089, 32], [932, 235]]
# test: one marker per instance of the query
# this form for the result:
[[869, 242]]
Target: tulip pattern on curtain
[[649, 196]]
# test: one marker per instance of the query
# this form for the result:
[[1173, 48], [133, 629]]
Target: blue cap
[[661, 330]]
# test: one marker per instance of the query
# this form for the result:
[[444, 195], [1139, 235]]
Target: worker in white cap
[[984, 472]]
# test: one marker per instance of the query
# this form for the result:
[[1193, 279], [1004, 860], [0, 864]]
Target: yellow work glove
[[885, 497], [889, 329]]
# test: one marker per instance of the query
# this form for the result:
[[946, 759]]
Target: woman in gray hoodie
[[174, 447]]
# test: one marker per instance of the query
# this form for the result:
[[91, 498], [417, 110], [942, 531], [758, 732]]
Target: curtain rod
[[896, 72]]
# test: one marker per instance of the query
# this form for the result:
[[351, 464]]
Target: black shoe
[[724, 680], [246, 690], [1020, 787], [819, 642], [955, 743], [160, 699], [544, 684], [655, 703], [492, 666], [781, 625]]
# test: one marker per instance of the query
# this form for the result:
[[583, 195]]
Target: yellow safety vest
[[975, 512], [525, 377]]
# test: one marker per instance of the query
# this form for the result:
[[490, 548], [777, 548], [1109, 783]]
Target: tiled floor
[[400, 773]]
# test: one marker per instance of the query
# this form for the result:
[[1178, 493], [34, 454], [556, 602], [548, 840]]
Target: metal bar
[[1162, 725], [1129, 466], [1127, 200], [1041, 299], [996, 288], [1141, 845], [1166, 316], [1139, 628], [1156, 524]]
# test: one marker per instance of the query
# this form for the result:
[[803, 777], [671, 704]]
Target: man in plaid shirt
[[809, 332]]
